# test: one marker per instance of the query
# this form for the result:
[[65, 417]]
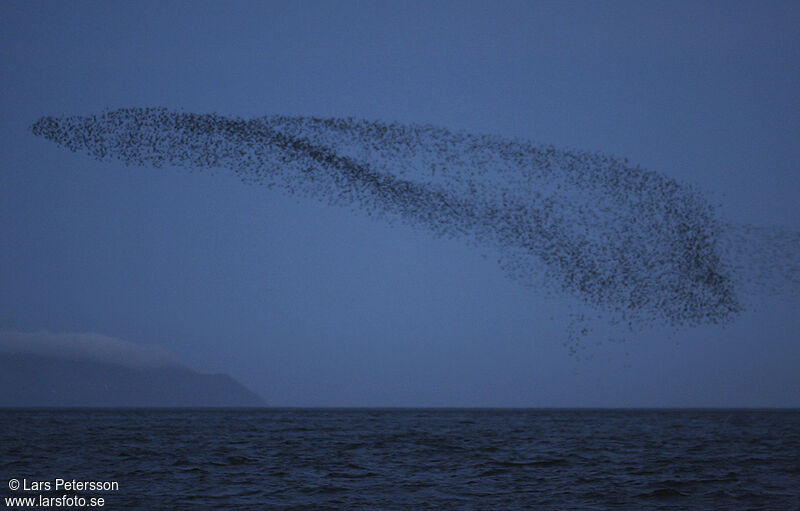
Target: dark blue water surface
[[410, 459]]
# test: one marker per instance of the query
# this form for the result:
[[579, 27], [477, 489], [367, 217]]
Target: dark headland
[[30, 380]]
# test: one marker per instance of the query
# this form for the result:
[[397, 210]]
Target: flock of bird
[[618, 237]]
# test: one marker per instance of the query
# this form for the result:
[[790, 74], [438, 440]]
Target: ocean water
[[407, 459]]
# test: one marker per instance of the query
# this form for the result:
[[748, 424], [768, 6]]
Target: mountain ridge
[[32, 380]]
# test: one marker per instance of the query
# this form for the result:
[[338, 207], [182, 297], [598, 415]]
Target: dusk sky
[[316, 305]]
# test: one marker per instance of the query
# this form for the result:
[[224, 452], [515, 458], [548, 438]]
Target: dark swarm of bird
[[618, 237]]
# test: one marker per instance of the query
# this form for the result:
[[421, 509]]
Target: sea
[[373, 459]]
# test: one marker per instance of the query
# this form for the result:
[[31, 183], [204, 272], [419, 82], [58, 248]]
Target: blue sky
[[313, 305]]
